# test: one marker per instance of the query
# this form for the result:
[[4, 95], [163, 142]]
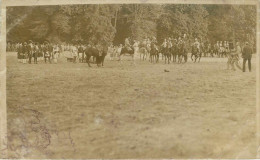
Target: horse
[[95, 52], [154, 54], [182, 52], [143, 52], [216, 50], [166, 52], [127, 50], [221, 51], [174, 51], [195, 52]]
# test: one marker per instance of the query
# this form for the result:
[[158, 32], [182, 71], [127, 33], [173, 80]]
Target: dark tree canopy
[[106, 23]]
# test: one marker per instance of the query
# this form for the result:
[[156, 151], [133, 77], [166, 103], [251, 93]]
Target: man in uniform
[[46, 52], [74, 53], [169, 44], [36, 51], [247, 55], [80, 53], [25, 52], [164, 45], [197, 44], [127, 44], [233, 56], [30, 51], [20, 52]]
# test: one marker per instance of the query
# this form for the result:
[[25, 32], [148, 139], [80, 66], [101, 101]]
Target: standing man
[[46, 53], [30, 51], [235, 57], [25, 52], [74, 53], [36, 51], [80, 53], [247, 55]]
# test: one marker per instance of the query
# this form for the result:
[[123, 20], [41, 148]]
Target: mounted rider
[[164, 45], [144, 43], [135, 45], [197, 44], [127, 44], [148, 42], [169, 43], [154, 40]]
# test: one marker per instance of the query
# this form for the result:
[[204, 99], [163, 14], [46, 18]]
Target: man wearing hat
[[80, 53], [247, 55], [234, 57], [46, 52], [25, 52], [197, 44], [36, 51], [30, 51]]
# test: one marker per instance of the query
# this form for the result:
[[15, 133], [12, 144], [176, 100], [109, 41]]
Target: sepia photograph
[[130, 80]]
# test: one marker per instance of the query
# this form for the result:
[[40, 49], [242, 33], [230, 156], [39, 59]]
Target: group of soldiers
[[50, 52], [36, 51], [233, 52]]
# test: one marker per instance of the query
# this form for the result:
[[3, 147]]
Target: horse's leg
[[97, 60], [103, 59], [133, 59], [88, 58]]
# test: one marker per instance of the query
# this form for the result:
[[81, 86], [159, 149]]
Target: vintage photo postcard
[[134, 79]]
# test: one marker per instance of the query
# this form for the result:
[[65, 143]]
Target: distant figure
[[110, 51], [36, 51], [46, 52], [74, 53], [197, 44], [56, 52], [135, 45], [247, 55], [235, 57], [81, 53], [127, 44]]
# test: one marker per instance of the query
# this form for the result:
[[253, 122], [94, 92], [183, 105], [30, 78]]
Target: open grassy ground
[[69, 110]]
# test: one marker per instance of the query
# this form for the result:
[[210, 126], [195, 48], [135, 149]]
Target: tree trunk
[[116, 18]]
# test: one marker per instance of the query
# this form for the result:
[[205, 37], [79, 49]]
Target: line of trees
[[106, 23]]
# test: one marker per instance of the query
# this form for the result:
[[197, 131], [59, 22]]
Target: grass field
[[68, 110]]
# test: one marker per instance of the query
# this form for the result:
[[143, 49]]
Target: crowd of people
[[51, 52]]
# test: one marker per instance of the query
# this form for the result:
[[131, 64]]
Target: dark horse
[[97, 52], [127, 51], [166, 52], [195, 52], [174, 51], [154, 53], [182, 52]]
